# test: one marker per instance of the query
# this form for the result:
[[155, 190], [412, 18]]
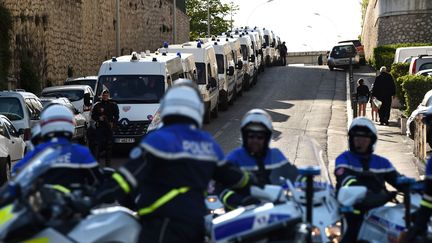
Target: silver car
[[421, 109], [340, 56]]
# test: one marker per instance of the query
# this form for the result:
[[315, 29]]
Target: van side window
[[209, 72], [3, 131], [11, 129]]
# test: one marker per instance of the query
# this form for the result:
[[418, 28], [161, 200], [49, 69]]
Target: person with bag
[[384, 90]]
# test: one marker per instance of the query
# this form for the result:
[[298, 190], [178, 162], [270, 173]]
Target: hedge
[[384, 55], [415, 87], [398, 70]]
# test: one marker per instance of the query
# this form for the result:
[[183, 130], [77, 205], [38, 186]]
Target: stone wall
[[79, 34], [396, 21]]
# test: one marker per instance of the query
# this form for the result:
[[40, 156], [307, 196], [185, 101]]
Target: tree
[[197, 12], [5, 55]]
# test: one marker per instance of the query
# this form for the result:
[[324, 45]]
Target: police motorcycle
[[37, 212], [388, 222], [304, 211]]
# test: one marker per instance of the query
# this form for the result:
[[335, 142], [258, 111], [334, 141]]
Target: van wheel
[[233, 97], [5, 170], [224, 103], [207, 114], [215, 112]]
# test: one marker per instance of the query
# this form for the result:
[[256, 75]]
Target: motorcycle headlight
[[334, 232]]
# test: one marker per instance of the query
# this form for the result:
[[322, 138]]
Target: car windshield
[[11, 108], [201, 72], [220, 63], [342, 51], [71, 94], [89, 82], [244, 51], [133, 88]]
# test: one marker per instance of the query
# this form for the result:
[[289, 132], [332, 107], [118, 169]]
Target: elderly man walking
[[384, 89]]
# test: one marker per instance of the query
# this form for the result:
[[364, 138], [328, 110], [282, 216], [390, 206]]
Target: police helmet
[[57, 120], [257, 120], [362, 127]]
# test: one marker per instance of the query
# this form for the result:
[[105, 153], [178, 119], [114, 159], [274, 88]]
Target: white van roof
[[150, 63], [404, 52], [198, 49]]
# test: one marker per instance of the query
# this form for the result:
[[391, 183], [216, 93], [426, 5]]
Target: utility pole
[[232, 6], [174, 22], [117, 27], [208, 18]]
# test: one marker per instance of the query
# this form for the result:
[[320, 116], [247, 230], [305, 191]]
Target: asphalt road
[[299, 99]]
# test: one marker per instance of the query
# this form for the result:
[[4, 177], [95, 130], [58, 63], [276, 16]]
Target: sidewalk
[[391, 144]]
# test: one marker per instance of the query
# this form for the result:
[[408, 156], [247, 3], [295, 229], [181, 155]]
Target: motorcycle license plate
[[124, 140]]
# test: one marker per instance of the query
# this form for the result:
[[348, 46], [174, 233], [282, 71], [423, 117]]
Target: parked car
[[12, 147], [79, 95], [22, 108], [80, 120], [426, 72], [340, 56], [420, 63], [85, 80], [402, 53], [421, 109], [360, 49]]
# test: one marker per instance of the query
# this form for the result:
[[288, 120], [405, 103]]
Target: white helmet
[[362, 126], [183, 101], [257, 120], [57, 119]]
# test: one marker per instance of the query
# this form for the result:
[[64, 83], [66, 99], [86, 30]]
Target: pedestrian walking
[[106, 114], [362, 97], [384, 90], [283, 53]]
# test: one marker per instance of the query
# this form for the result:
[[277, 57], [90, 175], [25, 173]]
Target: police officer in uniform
[[75, 164], [360, 166], [106, 114], [256, 157], [168, 173]]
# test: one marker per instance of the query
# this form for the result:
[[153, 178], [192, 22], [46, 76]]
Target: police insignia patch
[[135, 153], [340, 171]]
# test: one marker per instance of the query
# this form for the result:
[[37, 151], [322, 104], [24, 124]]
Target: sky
[[305, 25]]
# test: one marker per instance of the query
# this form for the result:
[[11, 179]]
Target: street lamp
[[253, 11], [174, 21], [117, 28], [208, 18]]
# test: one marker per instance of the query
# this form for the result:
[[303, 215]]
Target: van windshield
[[245, 52], [11, 108], [220, 63], [201, 72], [133, 88], [71, 94], [89, 82], [343, 51]]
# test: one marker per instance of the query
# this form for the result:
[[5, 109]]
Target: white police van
[[257, 43], [225, 64], [269, 51], [248, 59], [240, 69], [136, 83], [205, 62]]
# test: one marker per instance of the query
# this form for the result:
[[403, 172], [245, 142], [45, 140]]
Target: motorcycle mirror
[[270, 193], [348, 196]]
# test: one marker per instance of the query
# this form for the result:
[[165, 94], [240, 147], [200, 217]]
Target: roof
[[345, 44], [66, 87], [145, 58]]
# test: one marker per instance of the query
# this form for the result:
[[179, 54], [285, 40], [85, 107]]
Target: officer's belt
[[163, 200]]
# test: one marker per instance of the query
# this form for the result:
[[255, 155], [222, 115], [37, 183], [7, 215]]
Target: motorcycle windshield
[[37, 166], [311, 154]]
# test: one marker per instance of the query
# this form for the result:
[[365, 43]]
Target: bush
[[415, 87], [398, 70], [384, 55]]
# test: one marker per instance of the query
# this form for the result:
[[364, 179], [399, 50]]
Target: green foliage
[[5, 55], [384, 55], [415, 87], [197, 12], [398, 70], [364, 5]]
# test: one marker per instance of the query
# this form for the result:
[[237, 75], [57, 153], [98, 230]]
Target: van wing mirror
[[87, 99], [213, 82], [252, 58], [239, 65], [231, 71]]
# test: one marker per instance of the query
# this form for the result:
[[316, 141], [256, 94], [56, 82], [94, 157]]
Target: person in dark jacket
[[361, 167], [283, 53], [362, 97], [384, 89], [106, 114], [168, 173]]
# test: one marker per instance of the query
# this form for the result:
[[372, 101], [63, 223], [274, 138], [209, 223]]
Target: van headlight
[[334, 232]]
